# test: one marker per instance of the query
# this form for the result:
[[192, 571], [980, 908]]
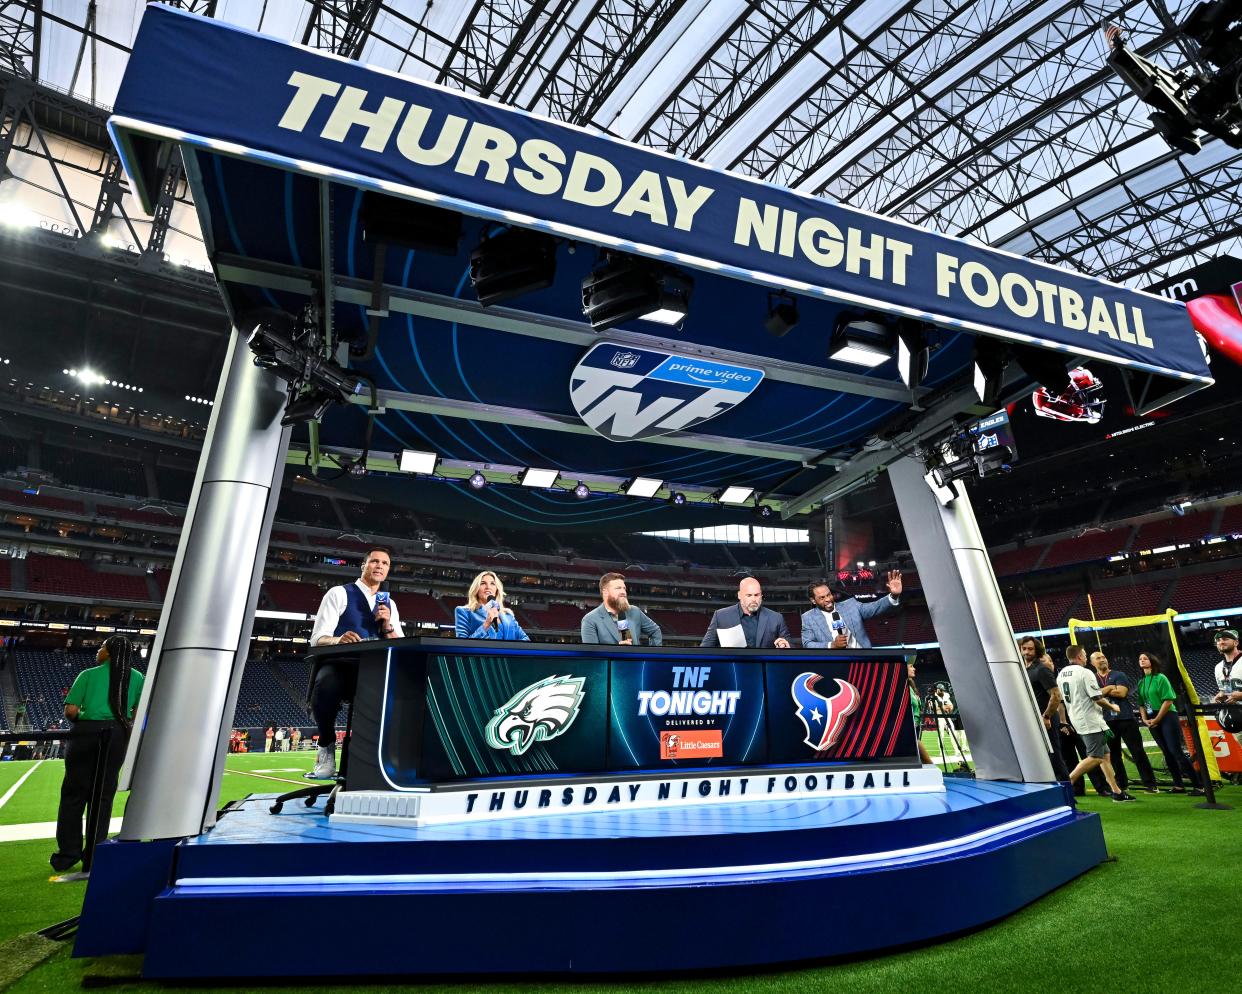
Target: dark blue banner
[[219, 87], [674, 714]]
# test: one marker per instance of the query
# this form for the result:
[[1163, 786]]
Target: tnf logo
[[628, 394]]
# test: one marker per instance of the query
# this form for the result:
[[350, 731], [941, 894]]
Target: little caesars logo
[[537, 713], [627, 394]]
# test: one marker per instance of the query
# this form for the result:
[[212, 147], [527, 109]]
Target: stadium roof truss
[[997, 122]]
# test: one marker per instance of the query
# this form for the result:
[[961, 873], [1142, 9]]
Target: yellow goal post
[[1165, 621]]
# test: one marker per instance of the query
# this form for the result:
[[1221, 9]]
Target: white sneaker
[[325, 765]]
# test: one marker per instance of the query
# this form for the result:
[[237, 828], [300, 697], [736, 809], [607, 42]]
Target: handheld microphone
[[492, 604], [384, 599], [623, 628]]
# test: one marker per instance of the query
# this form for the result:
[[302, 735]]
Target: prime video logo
[[708, 374]]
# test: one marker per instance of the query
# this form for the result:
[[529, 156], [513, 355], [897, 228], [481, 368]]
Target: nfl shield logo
[[626, 394]]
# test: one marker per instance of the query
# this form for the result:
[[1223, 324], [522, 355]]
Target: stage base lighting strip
[[643, 877]]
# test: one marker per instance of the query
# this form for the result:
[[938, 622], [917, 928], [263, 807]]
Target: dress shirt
[[333, 606]]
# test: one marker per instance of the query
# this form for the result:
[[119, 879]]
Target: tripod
[[944, 718]]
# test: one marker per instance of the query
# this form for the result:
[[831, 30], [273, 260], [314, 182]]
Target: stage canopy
[[302, 165]]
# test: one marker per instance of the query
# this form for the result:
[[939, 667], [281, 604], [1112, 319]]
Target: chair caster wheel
[[276, 808]]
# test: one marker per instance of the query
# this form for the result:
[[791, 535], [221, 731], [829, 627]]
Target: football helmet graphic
[[1083, 400]]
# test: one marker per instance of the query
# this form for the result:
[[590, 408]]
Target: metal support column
[[1007, 737], [204, 635]]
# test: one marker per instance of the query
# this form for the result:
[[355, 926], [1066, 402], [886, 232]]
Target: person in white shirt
[[1229, 671], [352, 612], [1084, 702]]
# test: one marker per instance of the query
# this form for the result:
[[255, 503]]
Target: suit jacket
[[816, 633], [771, 626], [469, 624], [599, 627]]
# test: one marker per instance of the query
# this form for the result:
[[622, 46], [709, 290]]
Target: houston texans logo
[[536, 713], [823, 717]]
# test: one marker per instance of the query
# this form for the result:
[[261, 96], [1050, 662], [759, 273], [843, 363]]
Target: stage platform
[[730, 885]]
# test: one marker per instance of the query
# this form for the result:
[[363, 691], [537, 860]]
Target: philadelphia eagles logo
[[540, 712]]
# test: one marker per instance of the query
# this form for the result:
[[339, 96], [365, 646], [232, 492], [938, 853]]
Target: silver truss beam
[[522, 418], [606, 45], [437, 307], [750, 56]]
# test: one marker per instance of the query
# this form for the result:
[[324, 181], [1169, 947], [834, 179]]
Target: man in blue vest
[[347, 614]]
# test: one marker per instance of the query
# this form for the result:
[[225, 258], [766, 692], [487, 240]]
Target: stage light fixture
[[763, 512], [511, 263], [860, 342], [913, 354], [641, 486], [415, 461], [542, 478], [677, 499], [477, 480], [411, 225], [582, 491], [628, 289], [734, 495], [782, 315], [989, 371]]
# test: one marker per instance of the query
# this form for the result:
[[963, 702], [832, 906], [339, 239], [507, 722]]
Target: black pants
[[1058, 763], [1168, 736], [1127, 730], [75, 790], [334, 683]]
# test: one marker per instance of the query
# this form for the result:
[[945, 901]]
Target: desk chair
[[310, 794]]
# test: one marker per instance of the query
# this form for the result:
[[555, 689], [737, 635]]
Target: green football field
[[1149, 919]]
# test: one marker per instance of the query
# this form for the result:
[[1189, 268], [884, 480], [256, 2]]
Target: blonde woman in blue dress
[[484, 615]]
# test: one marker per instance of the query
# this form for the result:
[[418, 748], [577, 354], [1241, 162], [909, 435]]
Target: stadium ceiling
[[995, 120]]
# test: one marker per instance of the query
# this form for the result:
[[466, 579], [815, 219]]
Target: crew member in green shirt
[[916, 706], [1158, 701], [102, 697]]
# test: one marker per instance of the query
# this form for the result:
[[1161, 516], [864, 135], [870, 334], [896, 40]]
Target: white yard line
[[21, 780], [261, 776], [40, 830]]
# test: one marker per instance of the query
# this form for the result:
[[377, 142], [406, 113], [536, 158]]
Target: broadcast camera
[[291, 347], [1185, 101]]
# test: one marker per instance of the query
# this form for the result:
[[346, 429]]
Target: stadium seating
[[1231, 520], [1170, 531], [43, 501], [681, 624], [555, 617], [1053, 610], [14, 452], [6, 574], [421, 607], [917, 627], [44, 678], [174, 484], [1128, 600], [289, 595], [1088, 547], [94, 471], [1205, 591], [55, 575], [1013, 562], [142, 517], [264, 699], [885, 629], [309, 509]]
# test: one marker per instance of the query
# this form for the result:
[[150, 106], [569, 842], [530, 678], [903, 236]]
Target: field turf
[[1149, 919]]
